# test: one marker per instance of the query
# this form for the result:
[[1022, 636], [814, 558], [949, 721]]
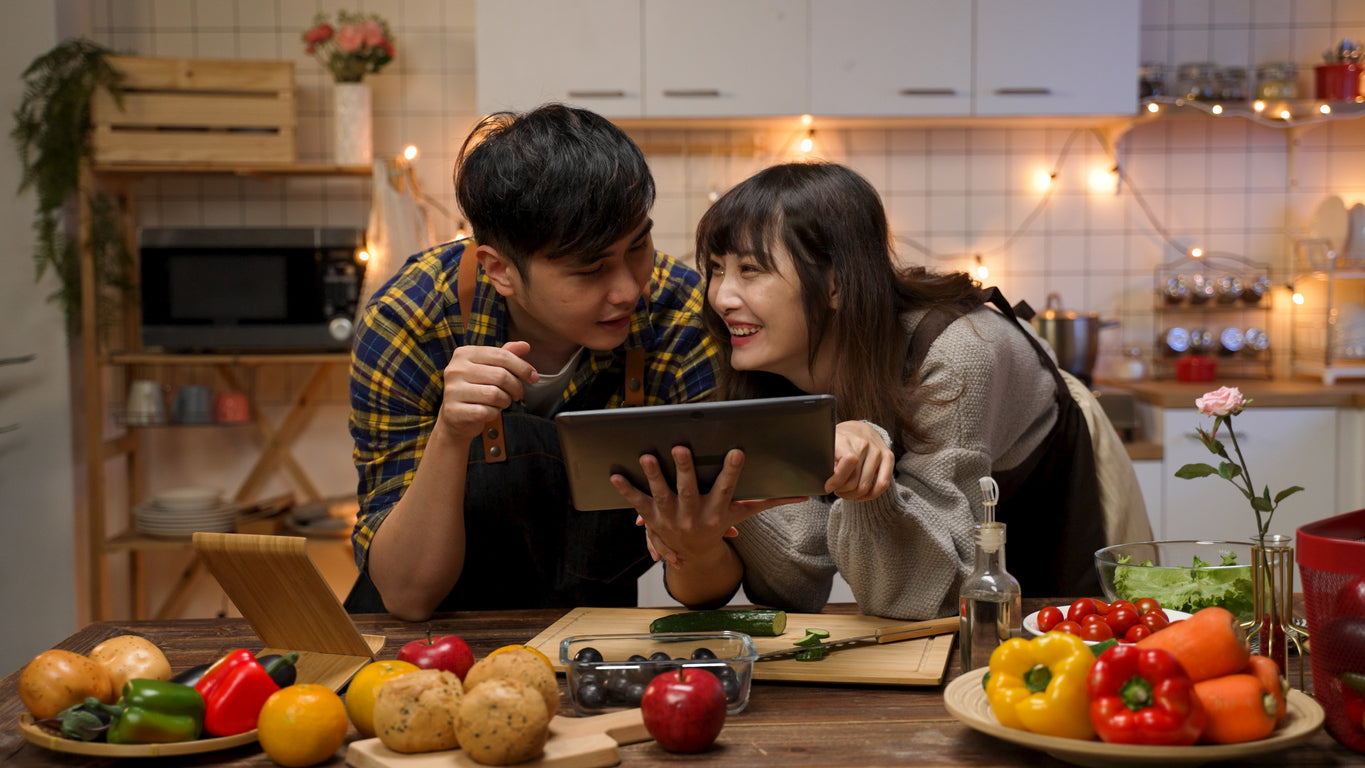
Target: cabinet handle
[[607, 94], [928, 92], [1023, 91], [1241, 436], [692, 93]]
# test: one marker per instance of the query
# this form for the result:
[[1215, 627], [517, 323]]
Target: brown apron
[[1050, 502]]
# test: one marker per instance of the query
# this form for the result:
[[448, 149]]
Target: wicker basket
[[228, 112]]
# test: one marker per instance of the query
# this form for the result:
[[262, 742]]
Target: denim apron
[[526, 545], [1050, 502]]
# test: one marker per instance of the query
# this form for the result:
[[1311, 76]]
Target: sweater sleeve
[[904, 554]]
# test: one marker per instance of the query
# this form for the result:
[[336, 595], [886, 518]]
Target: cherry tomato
[[1155, 620], [1093, 618], [1096, 631], [1146, 604], [1069, 627], [1049, 617], [1136, 633], [1120, 619], [1080, 609], [1124, 604], [1101, 607]]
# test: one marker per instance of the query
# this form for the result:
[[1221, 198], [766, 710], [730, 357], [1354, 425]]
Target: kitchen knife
[[892, 634]]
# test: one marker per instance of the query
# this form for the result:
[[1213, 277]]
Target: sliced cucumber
[[810, 654], [757, 622], [813, 637]]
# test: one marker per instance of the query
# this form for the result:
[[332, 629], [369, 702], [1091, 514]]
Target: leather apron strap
[[494, 437]]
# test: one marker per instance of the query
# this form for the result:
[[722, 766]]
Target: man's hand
[[863, 464], [479, 383]]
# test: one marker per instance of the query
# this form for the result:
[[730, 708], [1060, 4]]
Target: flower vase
[[1272, 631], [352, 119]]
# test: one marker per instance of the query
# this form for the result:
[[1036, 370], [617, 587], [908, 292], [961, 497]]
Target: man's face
[[582, 299]]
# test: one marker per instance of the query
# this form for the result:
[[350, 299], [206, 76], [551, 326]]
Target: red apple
[[447, 652], [684, 710]]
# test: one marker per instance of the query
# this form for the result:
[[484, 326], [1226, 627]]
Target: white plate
[[966, 700], [1331, 222], [189, 499], [1031, 620]]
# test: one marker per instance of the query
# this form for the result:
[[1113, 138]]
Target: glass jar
[[1152, 80], [1131, 367], [1232, 81], [1198, 81], [1277, 80]]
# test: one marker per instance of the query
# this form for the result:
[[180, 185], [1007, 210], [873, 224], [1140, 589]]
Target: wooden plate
[[49, 739], [966, 700]]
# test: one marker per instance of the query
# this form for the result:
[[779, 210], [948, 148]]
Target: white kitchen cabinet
[[1282, 446], [587, 53], [1350, 459], [718, 58], [1056, 57], [890, 57]]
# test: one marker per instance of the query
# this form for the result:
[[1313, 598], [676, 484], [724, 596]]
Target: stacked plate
[[183, 511]]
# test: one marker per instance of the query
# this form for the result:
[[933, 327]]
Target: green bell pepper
[[154, 712]]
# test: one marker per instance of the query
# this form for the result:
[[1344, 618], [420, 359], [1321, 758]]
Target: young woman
[[937, 384]]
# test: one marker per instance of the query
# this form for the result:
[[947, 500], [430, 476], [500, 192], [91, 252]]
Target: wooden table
[[784, 724]]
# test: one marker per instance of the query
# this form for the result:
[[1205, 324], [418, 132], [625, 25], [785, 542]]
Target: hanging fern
[[52, 133]]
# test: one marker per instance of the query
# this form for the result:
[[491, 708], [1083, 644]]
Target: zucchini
[[756, 622]]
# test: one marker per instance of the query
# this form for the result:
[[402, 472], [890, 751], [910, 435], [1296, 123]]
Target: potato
[[519, 665], [417, 712], [502, 722], [129, 657], [58, 679]]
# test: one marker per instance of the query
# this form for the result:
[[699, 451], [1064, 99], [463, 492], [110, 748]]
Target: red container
[[1338, 82], [1196, 368], [1331, 556]]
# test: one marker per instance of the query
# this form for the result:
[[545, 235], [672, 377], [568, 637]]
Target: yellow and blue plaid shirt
[[409, 332]]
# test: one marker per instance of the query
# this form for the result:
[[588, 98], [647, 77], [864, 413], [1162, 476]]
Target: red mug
[[1338, 82], [1196, 368], [231, 408]]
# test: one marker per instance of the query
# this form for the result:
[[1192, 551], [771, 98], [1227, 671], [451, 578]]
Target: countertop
[[1271, 393]]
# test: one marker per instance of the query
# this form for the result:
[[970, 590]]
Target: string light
[[1297, 297], [1325, 109], [1217, 109], [1258, 105], [1104, 180], [1196, 252], [1284, 114], [410, 152], [808, 143], [1042, 181], [363, 256], [981, 272], [1154, 107]]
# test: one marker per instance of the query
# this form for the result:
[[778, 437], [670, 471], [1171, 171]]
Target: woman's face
[[762, 309]]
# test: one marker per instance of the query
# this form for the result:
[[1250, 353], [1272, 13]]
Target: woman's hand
[[863, 463]]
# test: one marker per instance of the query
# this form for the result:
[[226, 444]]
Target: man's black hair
[[555, 181]]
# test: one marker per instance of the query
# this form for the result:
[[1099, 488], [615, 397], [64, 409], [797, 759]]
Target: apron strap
[[494, 441]]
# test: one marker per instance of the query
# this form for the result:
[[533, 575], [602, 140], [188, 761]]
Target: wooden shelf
[[224, 358], [235, 169]]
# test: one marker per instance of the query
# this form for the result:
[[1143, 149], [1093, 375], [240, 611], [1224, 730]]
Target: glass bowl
[[1166, 570], [616, 675]]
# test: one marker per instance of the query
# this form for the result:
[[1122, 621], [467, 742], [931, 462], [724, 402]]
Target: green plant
[[52, 133]]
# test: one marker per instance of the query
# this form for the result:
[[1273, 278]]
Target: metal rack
[[1205, 305], [1328, 336], [14, 361]]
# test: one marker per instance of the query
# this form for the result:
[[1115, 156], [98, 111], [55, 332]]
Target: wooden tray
[[911, 662], [50, 739], [575, 742], [966, 700]]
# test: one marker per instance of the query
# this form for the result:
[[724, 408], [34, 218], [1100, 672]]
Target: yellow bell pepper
[[1038, 685]]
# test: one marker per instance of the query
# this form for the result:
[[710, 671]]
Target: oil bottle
[[989, 602]]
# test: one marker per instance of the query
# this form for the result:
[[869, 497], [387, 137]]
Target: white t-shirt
[[541, 397]]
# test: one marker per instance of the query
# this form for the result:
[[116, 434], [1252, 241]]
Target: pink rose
[[374, 33], [1221, 402], [319, 34], [350, 38]]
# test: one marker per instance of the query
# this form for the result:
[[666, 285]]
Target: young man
[[559, 302]]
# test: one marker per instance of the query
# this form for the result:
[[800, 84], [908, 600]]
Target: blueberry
[[703, 653], [587, 678], [634, 693], [660, 656], [588, 656], [730, 684], [637, 658], [592, 696]]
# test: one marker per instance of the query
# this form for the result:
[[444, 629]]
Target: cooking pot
[[1074, 336]]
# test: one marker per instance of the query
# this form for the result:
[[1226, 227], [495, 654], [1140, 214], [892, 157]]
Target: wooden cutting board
[[575, 742], [911, 662]]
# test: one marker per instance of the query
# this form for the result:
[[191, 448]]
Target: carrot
[[1268, 672], [1208, 644], [1239, 708]]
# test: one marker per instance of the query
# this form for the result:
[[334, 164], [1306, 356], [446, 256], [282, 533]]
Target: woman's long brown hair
[[832, 223]]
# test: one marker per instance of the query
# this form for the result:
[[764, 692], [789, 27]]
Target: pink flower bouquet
[[356, 45]]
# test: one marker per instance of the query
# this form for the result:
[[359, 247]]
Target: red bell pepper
[[234, 689], [1143, 696]]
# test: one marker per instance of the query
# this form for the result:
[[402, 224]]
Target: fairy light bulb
[[363, 256], [808, 143], [1042, 181], [981, 271], [1217, 109], [410, 152], [1196, 252], [1325, 109], [1154, 108], [1297, 297], [1258, 105], [807, 120]]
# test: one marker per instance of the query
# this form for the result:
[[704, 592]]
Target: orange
[[514, 647], [360, 693], [302, 725]]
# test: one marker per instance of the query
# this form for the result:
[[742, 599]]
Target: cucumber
[[756, 622]]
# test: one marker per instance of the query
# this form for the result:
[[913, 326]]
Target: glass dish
[[1171, 577], [616, 677]]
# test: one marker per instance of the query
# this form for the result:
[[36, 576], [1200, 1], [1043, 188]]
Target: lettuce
[[1189, 589]]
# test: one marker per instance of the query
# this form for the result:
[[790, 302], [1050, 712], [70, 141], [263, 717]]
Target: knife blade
[[890, 634]]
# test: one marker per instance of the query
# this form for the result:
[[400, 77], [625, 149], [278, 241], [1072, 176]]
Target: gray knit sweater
[[905, 553]]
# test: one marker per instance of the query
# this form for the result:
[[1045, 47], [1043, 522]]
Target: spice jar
[[1277, 80], [1151, 80], [1232, 82], [1198, 81]]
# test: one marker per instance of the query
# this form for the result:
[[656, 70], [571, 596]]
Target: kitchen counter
[[787, 724], [1272, 393]]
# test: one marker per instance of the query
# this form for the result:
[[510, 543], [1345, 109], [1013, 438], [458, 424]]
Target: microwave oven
[[250, 289]]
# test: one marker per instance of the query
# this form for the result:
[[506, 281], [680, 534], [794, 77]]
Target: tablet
[[788, 445]]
